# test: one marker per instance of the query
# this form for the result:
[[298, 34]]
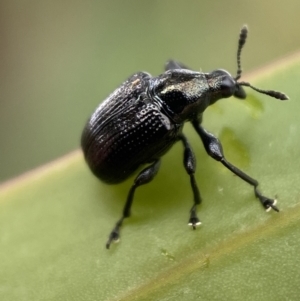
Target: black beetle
[[142, 119]]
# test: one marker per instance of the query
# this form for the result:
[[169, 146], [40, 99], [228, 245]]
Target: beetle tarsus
[[114, 236], [267, 203], [194, 220]]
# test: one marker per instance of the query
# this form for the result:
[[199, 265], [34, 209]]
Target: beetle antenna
[[242, 41], [272, 93]]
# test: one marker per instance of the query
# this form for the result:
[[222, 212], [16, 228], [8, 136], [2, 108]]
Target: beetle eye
[[227, 87], [240, 92]]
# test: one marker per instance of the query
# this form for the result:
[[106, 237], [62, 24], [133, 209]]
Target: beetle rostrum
[[143, 118]]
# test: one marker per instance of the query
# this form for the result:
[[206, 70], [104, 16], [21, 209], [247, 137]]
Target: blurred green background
[[60, 58]]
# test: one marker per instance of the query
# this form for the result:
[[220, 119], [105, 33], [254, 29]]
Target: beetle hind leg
[[144, 177]]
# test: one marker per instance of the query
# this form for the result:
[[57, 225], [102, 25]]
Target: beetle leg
[[214, 148], [144, 177], [171, 64], [189, 161]]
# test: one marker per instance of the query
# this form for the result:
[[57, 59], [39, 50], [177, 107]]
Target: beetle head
[[223, 85]]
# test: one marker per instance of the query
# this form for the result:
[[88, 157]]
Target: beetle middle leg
[[144, 177], [189, 162], [214, 148]]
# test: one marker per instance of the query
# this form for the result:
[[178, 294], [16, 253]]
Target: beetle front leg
[[214, 148], [189, 162], [144, 177]]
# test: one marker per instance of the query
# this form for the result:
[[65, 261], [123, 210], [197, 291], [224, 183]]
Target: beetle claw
[[194, 222], [270, 204], [266, 202], [114, 237]]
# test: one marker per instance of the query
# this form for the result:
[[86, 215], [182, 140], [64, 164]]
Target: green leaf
[[54, 221]]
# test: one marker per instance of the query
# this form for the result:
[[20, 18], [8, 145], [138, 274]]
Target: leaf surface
[[54, 221]]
